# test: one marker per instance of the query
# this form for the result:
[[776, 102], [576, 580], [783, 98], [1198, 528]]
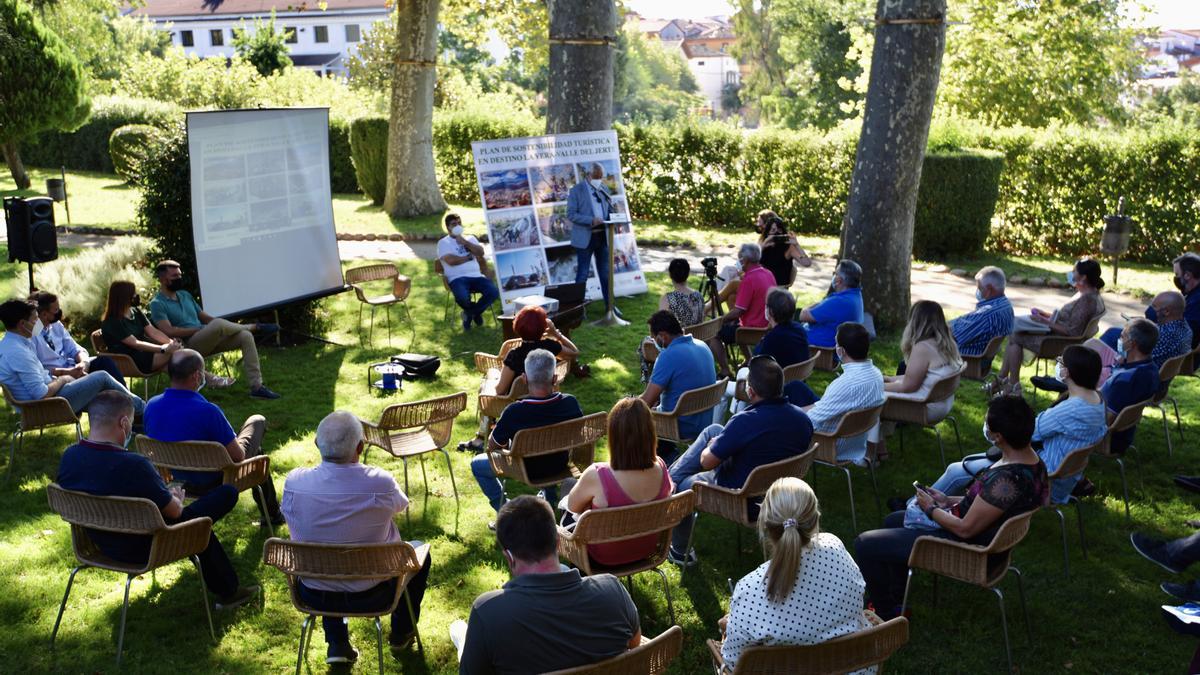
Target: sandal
[[218, 382]]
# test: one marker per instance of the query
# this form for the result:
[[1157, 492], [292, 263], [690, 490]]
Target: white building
[[713, 70], [318, 39]]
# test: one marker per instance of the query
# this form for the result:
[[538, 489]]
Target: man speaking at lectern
[[588, 206]]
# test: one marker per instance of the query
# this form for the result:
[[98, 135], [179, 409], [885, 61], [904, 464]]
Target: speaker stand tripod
[[610, 316]]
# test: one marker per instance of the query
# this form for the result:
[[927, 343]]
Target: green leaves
[[42, 87]]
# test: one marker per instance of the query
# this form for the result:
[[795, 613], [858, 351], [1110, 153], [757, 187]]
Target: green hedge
[[452, 136], [128, 146], [956, 203], [368, 147], [341, 169], [86, 148]]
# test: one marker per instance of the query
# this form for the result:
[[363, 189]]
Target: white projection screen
[[262, 216]]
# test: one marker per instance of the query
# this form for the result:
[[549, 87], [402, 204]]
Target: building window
[[699, 63], [217, 37], [320, 34], [186, 39], [731, 77], [353, 34], [289, 35]]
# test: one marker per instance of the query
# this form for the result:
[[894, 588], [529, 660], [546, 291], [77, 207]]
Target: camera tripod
[[710, 296]]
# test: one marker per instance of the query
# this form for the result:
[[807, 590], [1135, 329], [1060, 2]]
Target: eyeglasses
[[762, 357]]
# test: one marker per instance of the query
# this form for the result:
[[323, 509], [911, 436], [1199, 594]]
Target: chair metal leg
[[63, 606], [1021, 595], [941, 447], [389, 324], [907, 586], [850, 488], [360, 330], [412, 617], [204, 596], [308, 620], [957, 437], [124, 611], [453, 486], [371, 334], [875, 488], [407, 512], [424, 478], [1004, 626], [667, 592], [12, 453], [379, 643], [1166, 430], [262, 507], [691, 536], [1079, 517], [1062, 524], [1124, 489], [1178, 424]]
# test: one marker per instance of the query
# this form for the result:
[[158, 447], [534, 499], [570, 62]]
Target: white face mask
[[987, 434], [456, 231], [597, 182], [978, 295], [1070, 277], [1058, 373]]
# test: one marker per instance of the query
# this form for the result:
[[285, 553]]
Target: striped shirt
[[1068, 426], [859, 386], [1174, 338], [991, 318]]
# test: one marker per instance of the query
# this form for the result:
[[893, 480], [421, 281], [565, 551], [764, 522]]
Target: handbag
[[417, 365]]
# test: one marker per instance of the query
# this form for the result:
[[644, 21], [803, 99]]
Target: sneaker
[[1185, 592], [278, 520], [263, 393], [1047, 383], [466, 320], [690, 560], [240, 597], [401, 643], [341, 653], [492, 525], [1188, 482], [267, 329], [218, 382], [1084, 488], [474, 445], [1152, 549], [478, 319]]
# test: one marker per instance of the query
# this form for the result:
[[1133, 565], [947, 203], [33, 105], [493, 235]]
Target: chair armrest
[[714, 650], [126, 365], [401, 286], [422, 553], [248, 472], [374, 435], [358, 291], [45, 412], [826, 447], [666, 425], [928, 546], [179, 541], [485, 362], [572, 549]]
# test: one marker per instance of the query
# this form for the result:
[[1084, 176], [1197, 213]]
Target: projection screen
[[262, 216]]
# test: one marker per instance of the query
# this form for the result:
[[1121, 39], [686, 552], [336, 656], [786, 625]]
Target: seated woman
[[1070, 320], [810, 590], [634, 474], [930, 355], [1012, 486], [685, 303], [780, 250], [127, 330], [536, 331]]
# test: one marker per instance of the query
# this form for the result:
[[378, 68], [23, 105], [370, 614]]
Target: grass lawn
[[165, 622]]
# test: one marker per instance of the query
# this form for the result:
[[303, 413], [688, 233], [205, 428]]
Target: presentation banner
[[523, 186]]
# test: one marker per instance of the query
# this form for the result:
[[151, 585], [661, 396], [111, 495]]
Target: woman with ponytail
[[809, 591]]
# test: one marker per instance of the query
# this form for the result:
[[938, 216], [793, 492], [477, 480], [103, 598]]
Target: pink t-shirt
[[752, 296]]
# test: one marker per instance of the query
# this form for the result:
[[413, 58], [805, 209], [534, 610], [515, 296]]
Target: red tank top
[[630, 550]]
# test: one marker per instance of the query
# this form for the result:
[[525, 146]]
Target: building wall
[[711, 73]]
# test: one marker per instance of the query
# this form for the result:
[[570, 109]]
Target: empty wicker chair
[[983, 566], [691, 402], [852, 424], [620, 523], [577, 436], [980, 367], [248, 474], [345, 562], [844, 654], [1128, 418], [408, 430], [43, 413], [357, 277], [1075, 462], [127, 515], [651, 657], [907, 411], [125, 363], [826, 357], [440, 270], [1166, 374]]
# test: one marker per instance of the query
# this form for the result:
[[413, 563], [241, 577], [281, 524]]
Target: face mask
[[1178, 282], [1121, 352], [128, 435], [1058, 373], [978, 295], [1071, 277], [456, 231], [987, 434], [597, 182], [657, 343], [203, 381], [175, 284], [135, 302], [833, 284]]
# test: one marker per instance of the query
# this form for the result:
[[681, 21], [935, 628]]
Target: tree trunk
[[906, 63], [412, 188], [13, 157], [582, 36]]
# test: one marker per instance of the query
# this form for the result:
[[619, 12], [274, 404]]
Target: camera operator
[[779, 249]]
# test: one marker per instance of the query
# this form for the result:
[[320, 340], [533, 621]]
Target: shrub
[[452, 136], [368, 147], [341, 168], [128, 145], [86, 149], [955, 203]]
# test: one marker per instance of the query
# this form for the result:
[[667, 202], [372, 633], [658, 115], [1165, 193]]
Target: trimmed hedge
[[86, 148], [956, 203], [128, 146], [452, 136], [341, 169], [368, 147]]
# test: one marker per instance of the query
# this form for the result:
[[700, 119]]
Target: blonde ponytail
[[788, 521]]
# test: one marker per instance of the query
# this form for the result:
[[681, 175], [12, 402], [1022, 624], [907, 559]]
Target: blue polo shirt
[[182, 312], [835, 310], [765, 432], [787, 342], [1128, 384], [185, 415], [685, 364]]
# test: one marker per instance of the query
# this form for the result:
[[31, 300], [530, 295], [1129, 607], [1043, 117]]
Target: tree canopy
[[263, 46], [650, 81], [50, 92]]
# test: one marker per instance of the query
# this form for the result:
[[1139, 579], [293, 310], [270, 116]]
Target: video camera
[[710, 267]]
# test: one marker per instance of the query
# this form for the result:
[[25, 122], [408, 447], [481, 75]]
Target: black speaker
[[31, 233]]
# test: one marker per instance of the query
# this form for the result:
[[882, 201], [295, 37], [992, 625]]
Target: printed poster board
[[523, 186]]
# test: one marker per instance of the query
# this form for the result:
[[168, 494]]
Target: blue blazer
[[579, 212]]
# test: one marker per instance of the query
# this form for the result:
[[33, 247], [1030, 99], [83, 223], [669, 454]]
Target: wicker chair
[[356, 277], [1128, 418], [979, 367], [691, 402], [1191, 365], [844, 654], [490, 403], [853, 423], [600, 526], [907, 411], [408, 430], [826, 357], [577, 436], [737, 505], [705, 330], [346, 562], [1075, 462], [651, 657], [248, 474], [125, 363], [440, 270], [983, 566], [127, 515], [744, 342], [43, 413], [1166, 374], [1053, 346]]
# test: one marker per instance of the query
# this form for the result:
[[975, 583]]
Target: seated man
[[542, 407], [100, 465], [180, 413], [342, 501], [769, 430], [27, 379], [684, 363], [1187, 280], [859, 386], [1174, 333], [1135, 378], [991, 318], [749, 307], [844, 304], [175, 312], [785, 340], [55, 348], [460, 265], [546, 617]]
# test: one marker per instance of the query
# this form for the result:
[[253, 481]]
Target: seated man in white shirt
[[55, 347], [859, 386], [459, 253], [342, 501]]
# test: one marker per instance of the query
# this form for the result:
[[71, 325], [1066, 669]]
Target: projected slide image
[[512, 230], [552, 183], [306, 156], [266, 161], [553, 223], [225, 218], [625, 257], [611, 180], [221, 194], [269, 215], [563, 262], [303, 183], [267, 187], [505, 189], [224, 168], [304, 208], [521, 269]]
